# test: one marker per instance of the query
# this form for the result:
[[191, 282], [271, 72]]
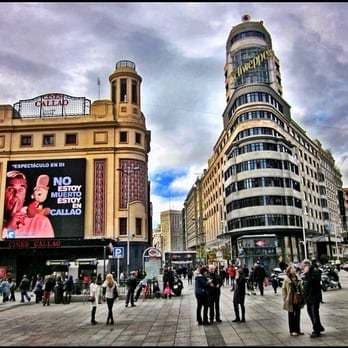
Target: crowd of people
[[301, 287]]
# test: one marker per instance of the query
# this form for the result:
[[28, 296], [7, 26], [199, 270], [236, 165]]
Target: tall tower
[[131, 161], [261, 172]]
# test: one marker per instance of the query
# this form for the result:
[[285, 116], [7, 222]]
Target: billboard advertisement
[[44, 199]]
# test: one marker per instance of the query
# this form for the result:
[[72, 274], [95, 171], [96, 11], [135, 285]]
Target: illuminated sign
[[253, 63], [52, 105], [44, 199]]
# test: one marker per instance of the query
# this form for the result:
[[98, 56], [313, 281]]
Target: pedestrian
[[141, 285], [201, 283], [293, 299], [58, 293], [47, 288], [12, 289], [68, 289], [239, 296], [259, 276], [94, 290], [99, 282], [38, 289], [24, 288], [5, 287], [313, 296], [274, 282], [246, 271], [156, 289], [214, 292], [232, 275], [131, 285], [110, 293], [222, 275], [189, 276], [168, 292]]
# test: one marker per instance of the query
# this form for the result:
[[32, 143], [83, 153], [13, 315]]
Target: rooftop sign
[[253, 63], [52, 105]]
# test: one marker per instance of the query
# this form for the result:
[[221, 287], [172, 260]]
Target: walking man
[[313, 296], [24, 288], [259, 276]]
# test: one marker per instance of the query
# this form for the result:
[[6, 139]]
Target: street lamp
[[128, 172], [304, 233]]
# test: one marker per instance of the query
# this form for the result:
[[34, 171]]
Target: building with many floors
[[172, 231], [80, 170], [267, 182]]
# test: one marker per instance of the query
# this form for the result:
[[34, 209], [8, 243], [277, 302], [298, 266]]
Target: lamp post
[[128, 172], [304, 234]]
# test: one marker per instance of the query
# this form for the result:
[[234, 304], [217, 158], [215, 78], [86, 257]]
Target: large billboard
[[44, 199]]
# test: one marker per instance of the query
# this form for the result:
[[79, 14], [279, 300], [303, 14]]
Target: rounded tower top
[[125, 64]]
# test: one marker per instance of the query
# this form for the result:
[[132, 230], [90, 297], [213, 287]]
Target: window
[[123, 90], [70, 139], [48, 139], [113, 92], [134, 92], [138, 224], [123, 137], [26, 140], [137, 138], [123, 226]]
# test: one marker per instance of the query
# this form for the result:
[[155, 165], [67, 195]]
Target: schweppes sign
[[253, 63]]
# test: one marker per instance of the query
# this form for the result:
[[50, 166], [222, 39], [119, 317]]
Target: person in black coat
[[201, 283], [214, 284], [132, 283], [239, 296], [313, 296], [259, 276]]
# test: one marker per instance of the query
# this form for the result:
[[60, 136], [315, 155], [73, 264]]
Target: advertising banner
[[44, 199]]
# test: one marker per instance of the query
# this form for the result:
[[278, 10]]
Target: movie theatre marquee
[[52, 105]]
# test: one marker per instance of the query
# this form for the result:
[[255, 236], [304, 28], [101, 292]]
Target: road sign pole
[[118, 271]]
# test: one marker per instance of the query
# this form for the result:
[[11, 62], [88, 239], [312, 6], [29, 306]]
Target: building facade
[[92, 160], [266, 178], [172, 230]]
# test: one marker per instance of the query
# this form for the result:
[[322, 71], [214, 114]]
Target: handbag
[[91, 298], [297, 298]]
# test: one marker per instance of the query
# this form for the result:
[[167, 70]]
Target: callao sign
[[52, 100]]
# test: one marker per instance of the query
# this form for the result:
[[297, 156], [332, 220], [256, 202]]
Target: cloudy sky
[[179, 50]]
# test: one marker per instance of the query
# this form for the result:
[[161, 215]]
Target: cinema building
[[267, 183], [90, 162]]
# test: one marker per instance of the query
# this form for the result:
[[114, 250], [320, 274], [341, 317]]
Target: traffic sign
[[118, 252]]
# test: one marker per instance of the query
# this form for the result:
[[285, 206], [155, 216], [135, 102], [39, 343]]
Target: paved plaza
[[171, 322]]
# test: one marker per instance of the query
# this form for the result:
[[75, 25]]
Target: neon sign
[[253, 63]]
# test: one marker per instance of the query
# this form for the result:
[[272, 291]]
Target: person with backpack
[[47, 288], [110, 293]]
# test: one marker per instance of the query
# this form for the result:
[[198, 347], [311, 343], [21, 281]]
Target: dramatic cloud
[[179, 50]]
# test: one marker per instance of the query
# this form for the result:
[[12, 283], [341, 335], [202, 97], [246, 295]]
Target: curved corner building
[[272, 169]]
